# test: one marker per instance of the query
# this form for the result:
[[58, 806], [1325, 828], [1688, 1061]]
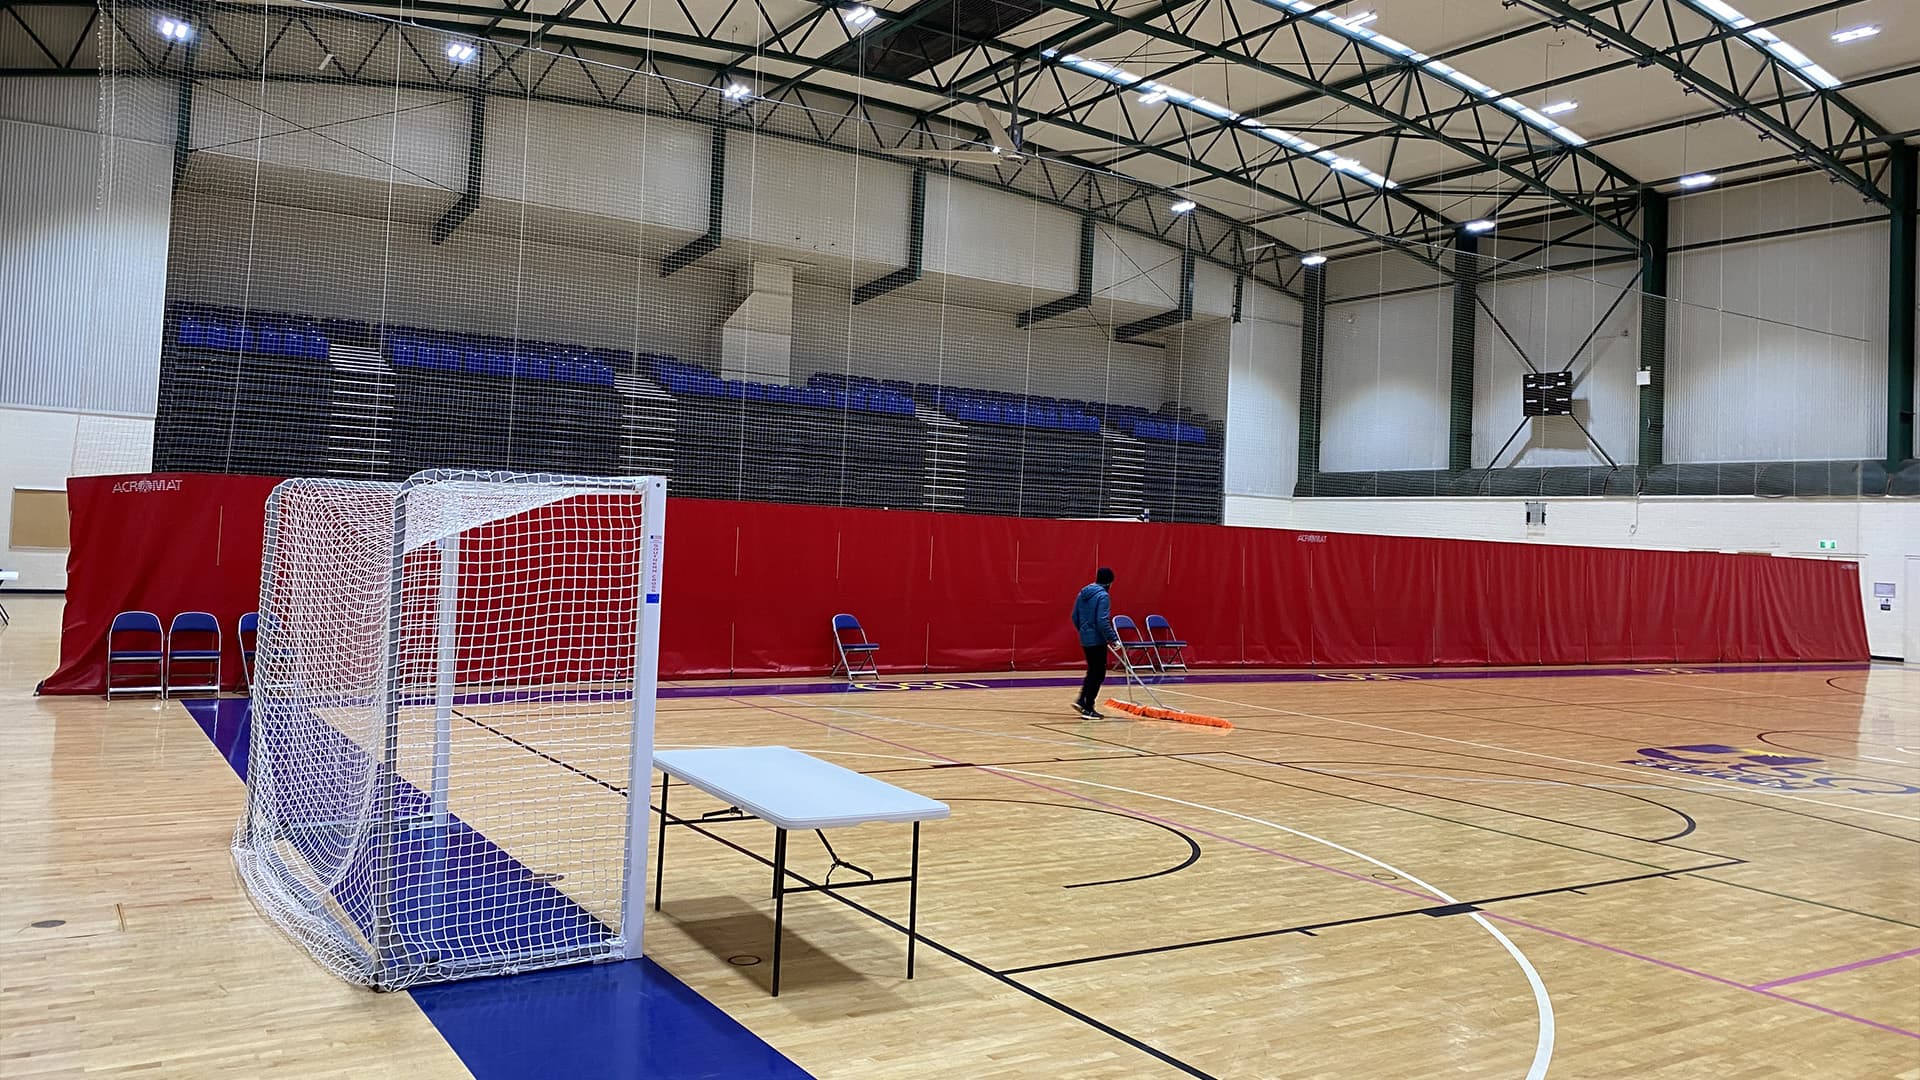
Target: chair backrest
[[135, 622], [250, 623], [847, 622], [194, 622], [1122, 624], [1159, 622]]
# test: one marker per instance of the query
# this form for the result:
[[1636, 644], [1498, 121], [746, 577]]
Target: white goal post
[[453, 708]]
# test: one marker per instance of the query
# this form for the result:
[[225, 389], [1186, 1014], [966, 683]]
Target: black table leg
[[913, 899], [660, 853], [779, 899]]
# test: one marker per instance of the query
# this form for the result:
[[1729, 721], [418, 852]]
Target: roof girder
[[1827, 118]]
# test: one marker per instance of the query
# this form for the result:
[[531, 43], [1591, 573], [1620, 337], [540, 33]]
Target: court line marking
[[1720, 786], [1723, 981], [1543, 1005], [1824, 972], [1477, 917]]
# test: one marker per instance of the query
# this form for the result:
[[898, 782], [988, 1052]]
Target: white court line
[[1717, 786], [1543, 1005]]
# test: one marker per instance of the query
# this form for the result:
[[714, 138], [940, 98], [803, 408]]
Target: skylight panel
[[1152, 92], [1362, 33], [1801, 64]]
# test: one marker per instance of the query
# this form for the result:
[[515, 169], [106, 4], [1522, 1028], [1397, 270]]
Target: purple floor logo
[[1762, 768]]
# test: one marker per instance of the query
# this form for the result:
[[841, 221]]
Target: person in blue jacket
[[1092, 619]]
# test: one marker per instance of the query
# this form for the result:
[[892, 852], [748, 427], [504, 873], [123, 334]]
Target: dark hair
[[1104, 577]]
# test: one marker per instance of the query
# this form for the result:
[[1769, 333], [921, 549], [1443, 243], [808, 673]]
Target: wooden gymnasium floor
[[1367, 878]]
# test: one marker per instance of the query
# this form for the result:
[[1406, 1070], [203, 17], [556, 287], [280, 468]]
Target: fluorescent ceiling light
[[1356, 30], [1479, 226], [460, 52], [1841, 37], [1697, 180], [1313, 260], [736, 91], [174, 29], [1152, 93], [1181, 207], [857, 15], [1761, 38], [1558, 107], [1361, 19]]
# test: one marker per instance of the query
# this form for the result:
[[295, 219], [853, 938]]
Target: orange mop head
[[1174, 715]]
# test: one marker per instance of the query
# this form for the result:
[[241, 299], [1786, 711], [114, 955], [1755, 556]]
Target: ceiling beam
[[1809, 132], [1536, 171]]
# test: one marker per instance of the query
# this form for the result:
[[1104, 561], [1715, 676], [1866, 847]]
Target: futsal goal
[[453, 702]]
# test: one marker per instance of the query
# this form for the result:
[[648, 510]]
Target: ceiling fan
[[1004, 148]]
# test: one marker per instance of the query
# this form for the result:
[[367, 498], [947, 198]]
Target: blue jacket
[[1092, 611]]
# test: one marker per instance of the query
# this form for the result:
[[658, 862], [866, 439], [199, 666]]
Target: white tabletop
[[795, 790]]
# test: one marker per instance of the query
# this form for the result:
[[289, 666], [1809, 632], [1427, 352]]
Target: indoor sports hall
[[959, 538]]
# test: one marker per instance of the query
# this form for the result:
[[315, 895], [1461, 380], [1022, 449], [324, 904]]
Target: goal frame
[[385, 962]]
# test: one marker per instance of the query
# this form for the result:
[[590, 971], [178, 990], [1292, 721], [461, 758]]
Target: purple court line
[[1761, 990], [1671, 966], [1824, 972], [699, 690]]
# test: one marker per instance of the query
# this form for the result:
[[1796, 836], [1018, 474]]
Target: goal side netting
[[453, 695]]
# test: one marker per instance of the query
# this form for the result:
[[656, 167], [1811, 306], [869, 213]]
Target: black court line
[[955, 954], [537, 752], [1302, 766], [1430, 911], [1651, 777], [1193, 759], [1193, 846]]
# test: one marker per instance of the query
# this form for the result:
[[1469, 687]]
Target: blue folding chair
[[248, 637], [1130, 644], [1169, 652], [201, 632], [856, 652], [127, 639]]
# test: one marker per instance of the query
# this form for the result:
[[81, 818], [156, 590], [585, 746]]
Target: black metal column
[[916, 246], [1900, 335], [680, 259], [1653, 327], [1466, 322], [1313, 349]]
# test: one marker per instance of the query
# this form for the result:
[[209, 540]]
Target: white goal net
[[453, 698]]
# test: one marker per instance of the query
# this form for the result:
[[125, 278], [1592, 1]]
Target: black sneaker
[[1087, 712]]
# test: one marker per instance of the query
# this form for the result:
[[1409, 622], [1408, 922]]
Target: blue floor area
[[604, 1020]]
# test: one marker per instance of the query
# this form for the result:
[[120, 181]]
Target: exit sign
[[1829, 545]]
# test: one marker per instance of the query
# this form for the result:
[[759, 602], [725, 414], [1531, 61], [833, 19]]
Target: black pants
[[1096, 674]]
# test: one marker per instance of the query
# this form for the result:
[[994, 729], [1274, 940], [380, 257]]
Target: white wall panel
[[1263, 395], [596, 161], [976, 232], [1751, 209], [784, 194], [407, 137], [1385, 384], [1777, 349], [1550, 316], [1131, 269], [82, 262]]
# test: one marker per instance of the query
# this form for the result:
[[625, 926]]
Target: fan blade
[[986, 156], [996, 131]]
